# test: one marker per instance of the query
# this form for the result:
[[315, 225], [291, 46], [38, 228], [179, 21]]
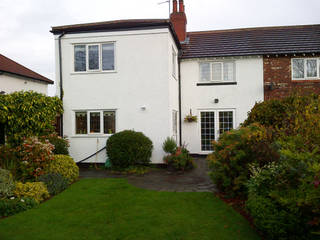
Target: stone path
[[196, 180]]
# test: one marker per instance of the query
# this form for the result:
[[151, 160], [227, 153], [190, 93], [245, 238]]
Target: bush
[[35, 190], [27, 114], [235, 150], [129, 148], [180, 160], [65, 166], [8, 159], [55, 182], [12, 206], [6, 184], [284, 197], [60, 144], [169, 146], [34, 156]]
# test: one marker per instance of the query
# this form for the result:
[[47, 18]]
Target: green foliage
[[34, 190], [169, 146], [12, 206], [180, 160], [284, 197], [55, 182], [233, 153], [9, 159], [34, 158], [129, 148], [65, 166], [27, 114], [60, 144], [6, 184]]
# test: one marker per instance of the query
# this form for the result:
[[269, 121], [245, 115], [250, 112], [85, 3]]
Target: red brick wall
[[278, 82]]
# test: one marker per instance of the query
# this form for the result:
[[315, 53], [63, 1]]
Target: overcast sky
[[25, 24]]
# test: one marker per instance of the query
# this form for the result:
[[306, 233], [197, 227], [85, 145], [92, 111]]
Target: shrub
[[180, 160], [128, 148], [235, 150], [55, 182], [6, 184], [284, 197], [169, 146], [35, 190], [34, 157], [60, 144], [8, 159], [65, 166], [12, 206], [27, 114]]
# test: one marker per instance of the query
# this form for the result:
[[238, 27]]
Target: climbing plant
[[28, 114]]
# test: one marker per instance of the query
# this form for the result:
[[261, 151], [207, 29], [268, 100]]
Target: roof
[[9, 66], [253, 41], [118, 25]]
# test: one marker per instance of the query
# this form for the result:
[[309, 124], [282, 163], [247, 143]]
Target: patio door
[[212, 124]]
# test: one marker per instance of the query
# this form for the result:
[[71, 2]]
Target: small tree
[[28, 114]]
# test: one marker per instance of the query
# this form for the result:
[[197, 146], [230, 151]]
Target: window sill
[[308, 80], [91, 136], [93, 72], [216, 83]]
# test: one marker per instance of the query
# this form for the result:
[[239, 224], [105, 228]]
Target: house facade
[[148, 75], [15, 77]]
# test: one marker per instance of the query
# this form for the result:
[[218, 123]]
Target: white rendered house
[[15, 77], [148, 75]]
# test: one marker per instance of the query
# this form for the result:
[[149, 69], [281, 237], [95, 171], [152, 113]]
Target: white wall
[[141, 79], [12, 83], [240, 97]]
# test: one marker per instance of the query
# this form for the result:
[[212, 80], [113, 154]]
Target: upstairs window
[[305, 68], [94, 57], [174, 63], [217, 72]]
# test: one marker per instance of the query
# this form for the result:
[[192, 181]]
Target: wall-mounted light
[[143, 108], [216, 100], [2, 92]]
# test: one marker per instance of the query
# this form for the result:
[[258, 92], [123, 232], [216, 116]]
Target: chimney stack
[[179, 20]]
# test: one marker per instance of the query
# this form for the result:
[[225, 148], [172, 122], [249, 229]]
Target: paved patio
[[196, 180]]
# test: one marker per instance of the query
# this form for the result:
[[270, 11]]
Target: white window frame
[[216, 123], [222, 72], [101, 133], [305, 78], [100, 70], [174, 63]]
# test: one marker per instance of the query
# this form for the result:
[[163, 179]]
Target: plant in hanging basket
[[191, 118]]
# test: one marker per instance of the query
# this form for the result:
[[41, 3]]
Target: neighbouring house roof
[[118, 25], [253, 41], [9, 66]]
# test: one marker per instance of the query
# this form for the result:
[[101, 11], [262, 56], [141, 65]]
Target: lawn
[[113, 209]]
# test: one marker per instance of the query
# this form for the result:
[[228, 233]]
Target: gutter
[[61, 85], [179, 83]]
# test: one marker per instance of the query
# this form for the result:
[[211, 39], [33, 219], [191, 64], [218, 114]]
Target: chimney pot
[[181, 6], [179, 20], [175, 6]]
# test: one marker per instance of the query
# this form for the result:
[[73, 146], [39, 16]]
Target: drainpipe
[[61, 86], [179, 83]]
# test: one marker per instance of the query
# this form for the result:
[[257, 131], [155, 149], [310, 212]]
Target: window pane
[[312, 68], [93, 57], [175, 123], [108, 56], [207, 131], [205, 74], [228, 72], [95, 122], [109, 122], [81, 123], [216, 71], [298, 68], [79, 58], [225, 121], [174, 57]]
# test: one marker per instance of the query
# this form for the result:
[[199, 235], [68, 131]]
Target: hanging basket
[[190, 118]]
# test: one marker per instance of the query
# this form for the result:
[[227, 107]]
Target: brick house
[[148, 75]]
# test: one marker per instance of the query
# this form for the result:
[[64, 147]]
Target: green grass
[[113, 209]]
